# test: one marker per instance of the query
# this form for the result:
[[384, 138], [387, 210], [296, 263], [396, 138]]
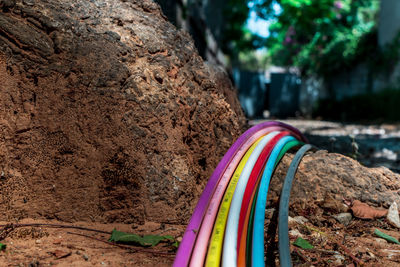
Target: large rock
[[107, 113], [324, 180]]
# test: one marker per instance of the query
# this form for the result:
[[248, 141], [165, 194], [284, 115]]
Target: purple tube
[[186, 246]]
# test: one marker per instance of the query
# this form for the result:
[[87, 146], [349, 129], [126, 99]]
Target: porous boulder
[[325, 180], [107, 113]]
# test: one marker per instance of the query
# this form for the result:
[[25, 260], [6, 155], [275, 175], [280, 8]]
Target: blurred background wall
[[289, 65]]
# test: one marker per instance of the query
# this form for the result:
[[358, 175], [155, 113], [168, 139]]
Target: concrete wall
[[284, 95], [251, 91], [351, 82], [204, 20], [389, 28], [389, 21]]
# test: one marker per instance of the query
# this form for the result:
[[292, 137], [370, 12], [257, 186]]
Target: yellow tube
[[217, 238]]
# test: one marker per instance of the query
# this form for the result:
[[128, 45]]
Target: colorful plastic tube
[[226, 209], [200, 248], [246, 181], [259, 215], [215, 248], [185, 249], [253, 181], [248, 204], [283, 227]]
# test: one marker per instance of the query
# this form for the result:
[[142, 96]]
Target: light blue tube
[[259, 215]]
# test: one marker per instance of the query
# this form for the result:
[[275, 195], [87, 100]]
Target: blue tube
[[259, 216]]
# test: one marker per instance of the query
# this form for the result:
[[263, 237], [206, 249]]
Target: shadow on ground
[[371, 145]]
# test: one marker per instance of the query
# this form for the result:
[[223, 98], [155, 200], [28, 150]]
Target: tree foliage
[[237, 38], [320, 36]]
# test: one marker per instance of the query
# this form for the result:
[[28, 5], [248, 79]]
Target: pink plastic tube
[[200, 249], [185, 248]]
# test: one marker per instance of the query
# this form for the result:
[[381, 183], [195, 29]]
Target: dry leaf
[[364, 211]]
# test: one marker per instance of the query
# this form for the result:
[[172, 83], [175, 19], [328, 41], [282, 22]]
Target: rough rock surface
[[324, 179], [322, 182], [107, 113]]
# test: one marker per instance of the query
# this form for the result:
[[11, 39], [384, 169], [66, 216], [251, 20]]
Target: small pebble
[[343, 218], [85, 257], [295, 233], [38, 241], [391, 253], [371, 255], [393, 215], [300, 219], [380, 241], [338, 259]]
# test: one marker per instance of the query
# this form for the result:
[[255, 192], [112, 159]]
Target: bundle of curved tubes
[[227, 225]]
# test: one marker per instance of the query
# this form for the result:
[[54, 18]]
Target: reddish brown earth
[[39, 246]]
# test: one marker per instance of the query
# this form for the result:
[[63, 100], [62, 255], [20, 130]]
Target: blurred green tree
[[320, 37], [236, 37], [239, 42]]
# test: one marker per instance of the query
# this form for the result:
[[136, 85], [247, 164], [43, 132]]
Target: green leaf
[[386, 237], [2, 246], [302, 243], [145, 241], [175, 244], [115, 235]]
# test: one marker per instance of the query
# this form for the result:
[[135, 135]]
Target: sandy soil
[[45, 246], [334, 244]]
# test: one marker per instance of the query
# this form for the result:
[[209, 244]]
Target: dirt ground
[[46, 246], [334, 243], [338, 245]]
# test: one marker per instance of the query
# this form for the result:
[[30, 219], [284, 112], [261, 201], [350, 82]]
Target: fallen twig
[[125, 246], [301, 255], [348, 252], [8, 228], [315, 230]]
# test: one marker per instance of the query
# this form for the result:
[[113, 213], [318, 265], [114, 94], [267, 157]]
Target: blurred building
[[284, 95], [389, 30], [252, 91], [276, 90], [204, 20], [389, 21]]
